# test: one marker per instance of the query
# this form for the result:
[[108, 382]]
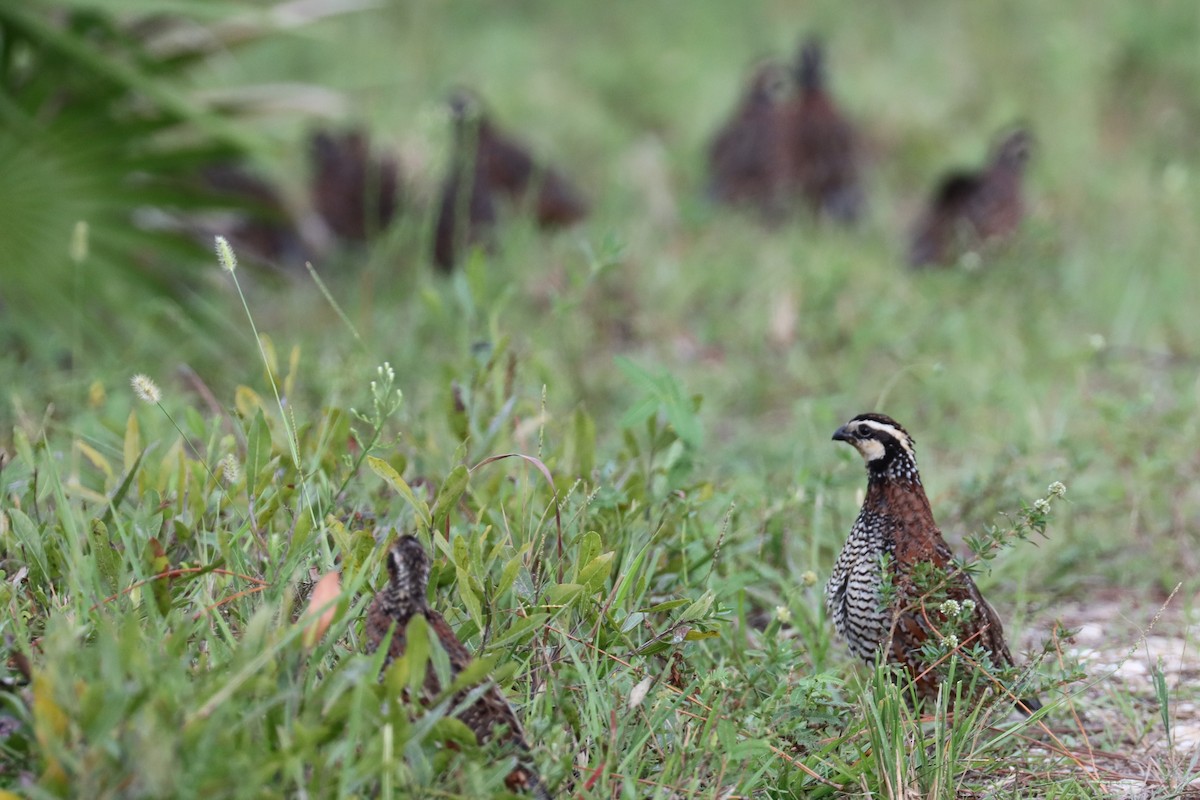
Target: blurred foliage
[[104, 136], [669, 637]]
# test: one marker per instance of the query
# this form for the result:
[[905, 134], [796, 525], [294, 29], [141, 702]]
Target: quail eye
[[864, 432]]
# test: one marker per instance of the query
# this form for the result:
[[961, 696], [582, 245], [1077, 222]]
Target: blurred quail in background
[[823, 145], [354, 191], [971, 209], [486, 167], [748, 160], [254, 218]]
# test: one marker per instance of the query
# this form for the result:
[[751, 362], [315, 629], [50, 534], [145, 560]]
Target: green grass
[[678, 373]]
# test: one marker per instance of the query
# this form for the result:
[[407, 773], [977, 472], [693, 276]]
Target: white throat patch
[[872, 450]]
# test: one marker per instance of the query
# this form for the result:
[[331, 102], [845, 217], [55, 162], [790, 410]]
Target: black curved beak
[[841, 435]]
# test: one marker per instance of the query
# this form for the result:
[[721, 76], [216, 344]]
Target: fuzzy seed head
[[230, 470], [225, 254], [146, 390]]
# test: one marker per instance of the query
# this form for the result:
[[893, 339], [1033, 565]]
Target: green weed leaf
[[385, 470]]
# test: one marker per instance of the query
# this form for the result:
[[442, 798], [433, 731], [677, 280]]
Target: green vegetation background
[[677, 368]]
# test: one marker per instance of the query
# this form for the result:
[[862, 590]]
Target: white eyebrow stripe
[[890, 430]]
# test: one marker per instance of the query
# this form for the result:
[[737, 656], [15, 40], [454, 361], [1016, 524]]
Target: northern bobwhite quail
[[823, 145], [487, 165], [748, 158], [969, 209], [896, 526], [356, 192], [403, 598]]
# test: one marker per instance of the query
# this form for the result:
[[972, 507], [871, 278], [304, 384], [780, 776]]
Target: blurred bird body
[[748, 160], [896, 525], [356, 194], [970, 209], [256, 219], [403, 598], [488, 167], [822, 144]]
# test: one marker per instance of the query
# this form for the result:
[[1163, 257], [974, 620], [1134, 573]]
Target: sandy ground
[[1114, 725]]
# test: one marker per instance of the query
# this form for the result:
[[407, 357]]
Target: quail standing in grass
[[356, 192], [488, 166], [748, 159], [403, 598], [822, 142], [895, 531], [970, 209]]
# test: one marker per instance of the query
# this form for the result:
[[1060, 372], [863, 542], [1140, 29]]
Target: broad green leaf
[[465, 585], [460, 553], [474, 673], [563, 593], [97, 460], [108, 561], [416, 652], [156, 561], [589, 547], [667, 605], [247, 402], [509, 574], [595, 574], [521, 628], [389, 474], [470, 597], [452, 489], [32, 545], [133, 442], [698, 609], [453, 729], [122, 490], [258, 448], [630, 574], [23, 448]]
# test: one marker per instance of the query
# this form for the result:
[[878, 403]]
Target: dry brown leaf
[[322, 602]]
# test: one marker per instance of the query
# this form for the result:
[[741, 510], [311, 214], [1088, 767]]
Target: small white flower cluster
[[783, 614], [1056, 489], [387, 376], [953, 609], [1041, 505], [809, 578], [951, 641]]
